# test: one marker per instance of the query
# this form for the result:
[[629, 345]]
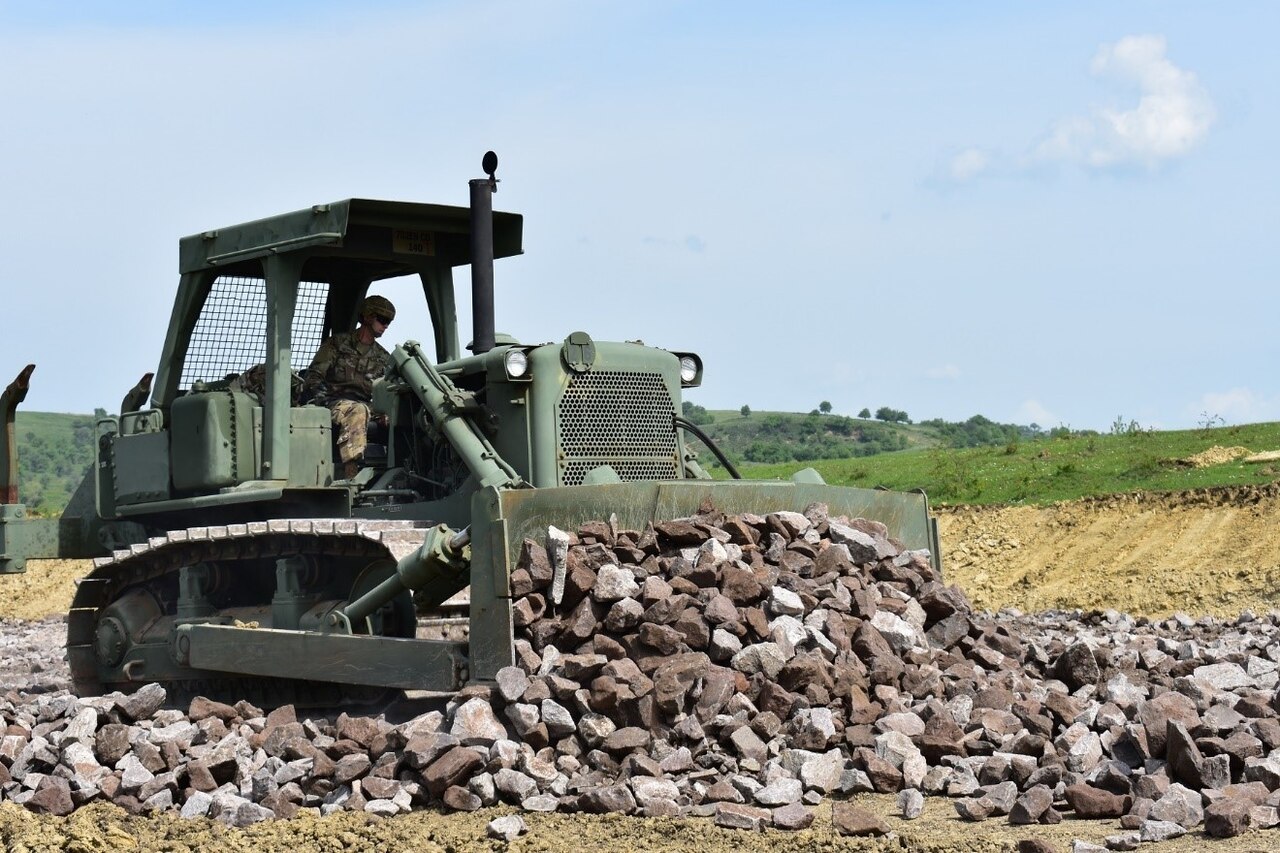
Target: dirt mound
[[1204, 551], [45, 589], [1216, 455]]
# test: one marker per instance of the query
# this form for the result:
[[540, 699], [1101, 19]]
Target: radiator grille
[[619, 419]]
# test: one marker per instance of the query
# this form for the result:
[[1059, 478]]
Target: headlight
[[517, 363], [688, 369]]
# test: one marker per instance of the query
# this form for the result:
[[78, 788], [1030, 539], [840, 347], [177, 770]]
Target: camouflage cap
[[378, 306]]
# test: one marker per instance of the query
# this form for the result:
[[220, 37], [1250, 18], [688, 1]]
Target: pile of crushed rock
[[740, 668]]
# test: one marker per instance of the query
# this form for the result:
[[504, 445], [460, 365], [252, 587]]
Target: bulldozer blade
[[503, 519]]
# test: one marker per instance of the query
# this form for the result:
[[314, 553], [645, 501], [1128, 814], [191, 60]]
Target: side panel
[[310, 444], [212, 441], [140, 466]]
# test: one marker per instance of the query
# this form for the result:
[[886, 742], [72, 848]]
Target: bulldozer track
[[366, 539]]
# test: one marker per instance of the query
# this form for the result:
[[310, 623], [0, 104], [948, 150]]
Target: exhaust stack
[[482, 190]]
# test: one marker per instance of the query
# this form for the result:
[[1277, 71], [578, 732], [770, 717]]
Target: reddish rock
[[849, 819], [52, 797], [1228, 817], [1090, 802], [1155, 715], [455, 767]]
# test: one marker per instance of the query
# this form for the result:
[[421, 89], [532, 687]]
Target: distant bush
[[696, 414], [978, 431]]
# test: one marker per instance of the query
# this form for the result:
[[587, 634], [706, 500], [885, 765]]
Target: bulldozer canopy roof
[[392, 237]]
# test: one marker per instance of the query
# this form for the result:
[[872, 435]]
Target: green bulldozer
[[231, 555]]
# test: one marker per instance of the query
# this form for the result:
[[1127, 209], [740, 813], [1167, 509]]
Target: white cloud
[[968, 164], [1236, 406], [1173, 113], [1032, 412], [947, 372]]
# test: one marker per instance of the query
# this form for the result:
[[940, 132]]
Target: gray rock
[[197, 805], [1123, 841], [784, 602], [1160, 830], [141, 704], [1223, 676], [512, 682], [558, 719], [1179, 805], [506, 828], [541, 803], [647, 789], [910, 803], [614, 583], [766, 658], [780, 792], [901, 636], [822, 772], [514, 786], [474, 723]]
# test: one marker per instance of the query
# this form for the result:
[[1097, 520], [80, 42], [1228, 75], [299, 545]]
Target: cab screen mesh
[[231, 335]]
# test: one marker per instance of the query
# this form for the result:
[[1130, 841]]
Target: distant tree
[[696, 414], [865, 413], [745, 411], [99, 413], [825, 407], [893, 416]]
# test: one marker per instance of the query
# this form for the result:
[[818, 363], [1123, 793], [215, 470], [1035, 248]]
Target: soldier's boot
[[350, 469]]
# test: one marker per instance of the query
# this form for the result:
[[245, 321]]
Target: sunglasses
[[386, 321]]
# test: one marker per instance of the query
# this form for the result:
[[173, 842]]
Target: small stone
[[780, 792], [793, 817], [512, 683], [910, 803], [1160, 830], [974, 808], [734, 816], [507, 828]]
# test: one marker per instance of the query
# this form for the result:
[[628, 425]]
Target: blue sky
[[1050, 213]]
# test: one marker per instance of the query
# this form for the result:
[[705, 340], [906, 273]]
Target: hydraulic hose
[[711, 445]]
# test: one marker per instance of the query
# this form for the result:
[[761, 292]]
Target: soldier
[[341, 377]]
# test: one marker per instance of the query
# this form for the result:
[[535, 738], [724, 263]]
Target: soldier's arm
[[313, 380]]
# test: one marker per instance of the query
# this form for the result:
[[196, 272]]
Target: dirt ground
[[1202, 552], [1207, 551]]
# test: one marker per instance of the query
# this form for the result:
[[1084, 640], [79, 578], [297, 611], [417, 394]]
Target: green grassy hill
[[782, 437], [54, 451], [1062, 467]]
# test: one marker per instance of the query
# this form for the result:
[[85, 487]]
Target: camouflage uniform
[[254, 381], [341, 377]]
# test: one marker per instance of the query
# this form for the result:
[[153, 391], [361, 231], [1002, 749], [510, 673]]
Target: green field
[[1048, 469]]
